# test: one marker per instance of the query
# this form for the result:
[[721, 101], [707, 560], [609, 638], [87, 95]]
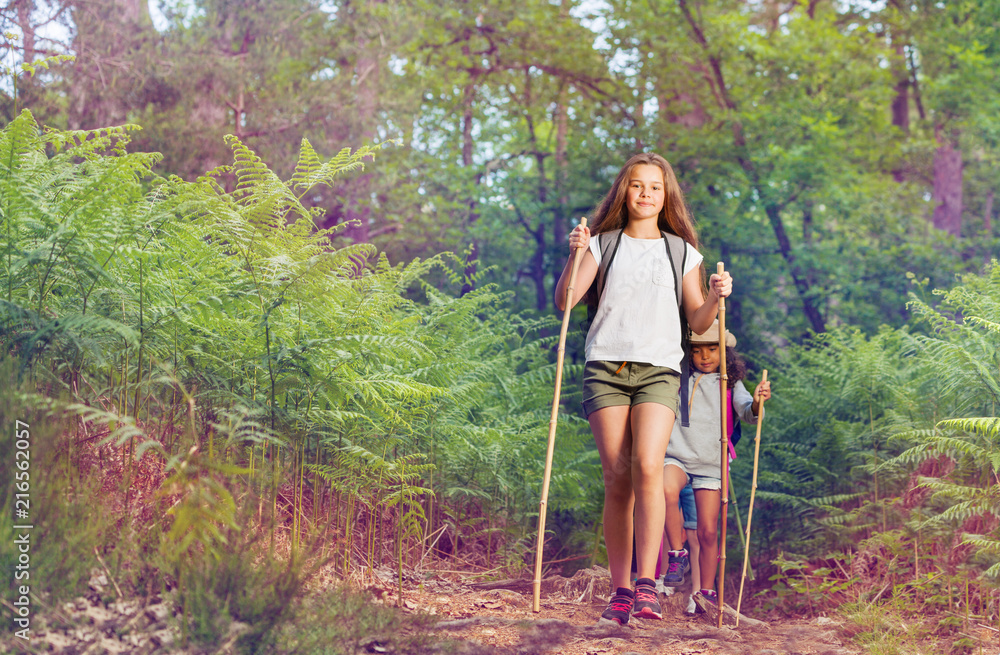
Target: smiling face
[[705, 357], [645, 195]]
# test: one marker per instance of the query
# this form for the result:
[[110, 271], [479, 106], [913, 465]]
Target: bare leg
[[674, 480], [613, 437], [651, 426], [708, 502], [695, 551]]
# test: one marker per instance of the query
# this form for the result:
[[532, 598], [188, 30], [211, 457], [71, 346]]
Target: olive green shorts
[[608, 384]]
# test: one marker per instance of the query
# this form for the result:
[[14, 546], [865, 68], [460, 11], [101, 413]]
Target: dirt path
[[497, 618], [467, 618]]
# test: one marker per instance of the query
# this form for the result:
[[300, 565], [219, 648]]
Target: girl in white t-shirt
[[633, 358]]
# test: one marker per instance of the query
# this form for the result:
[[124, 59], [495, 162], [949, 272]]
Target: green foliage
[[887, 444], [881, 630], [341, 621], [216, 588], [205, 511], [222, 335], [67, 526], [858, 412], [261, 313], [965, 352], [804, 136]]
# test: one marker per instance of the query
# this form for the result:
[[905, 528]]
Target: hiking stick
[[577, 255], [736, 514], [753, 492], [724, 513]]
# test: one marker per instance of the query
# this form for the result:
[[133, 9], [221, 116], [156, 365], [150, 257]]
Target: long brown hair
[[612, 214]]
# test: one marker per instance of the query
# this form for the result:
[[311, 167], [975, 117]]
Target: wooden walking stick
[[724, 513], [753, 492], [560, 355], [736, 513]]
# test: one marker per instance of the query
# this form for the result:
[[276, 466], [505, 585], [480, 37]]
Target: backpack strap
[[677, 254], [608, 243], [735, 432]]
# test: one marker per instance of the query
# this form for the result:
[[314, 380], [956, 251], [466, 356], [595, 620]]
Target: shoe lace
[[674, 565], [620, 603], [645, 594]]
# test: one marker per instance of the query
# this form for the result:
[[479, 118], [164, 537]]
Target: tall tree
[[112, 43], [494, 82], [952, 52]]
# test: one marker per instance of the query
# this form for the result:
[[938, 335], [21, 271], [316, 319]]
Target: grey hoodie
[[698, 446]]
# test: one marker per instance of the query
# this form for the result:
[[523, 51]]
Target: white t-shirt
[[637, 319]]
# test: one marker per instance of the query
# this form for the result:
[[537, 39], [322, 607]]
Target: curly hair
[[736, 368]]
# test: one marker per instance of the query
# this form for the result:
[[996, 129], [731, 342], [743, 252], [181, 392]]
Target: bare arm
[[701, 311], [578, 238]]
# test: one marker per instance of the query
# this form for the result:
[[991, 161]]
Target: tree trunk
[[538, 271], [947, 184], [901, 101], [988, 214], [538, 262], [771, 206], [639, 118], [108, 34], [468, 94], [681, 106], [366, 69], [468, 116], [799, 277], [807, 222], [24, 10], [560, 228], [26, 85], [693, 118]]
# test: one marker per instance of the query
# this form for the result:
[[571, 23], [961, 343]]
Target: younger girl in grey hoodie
[[693, 453]]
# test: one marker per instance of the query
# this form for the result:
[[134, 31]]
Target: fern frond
[[987, 426]]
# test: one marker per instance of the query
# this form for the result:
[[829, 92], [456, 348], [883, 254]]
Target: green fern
[[226, 321]]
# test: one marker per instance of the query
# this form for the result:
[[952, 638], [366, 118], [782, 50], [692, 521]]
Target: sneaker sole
[[676, 582], [603, 621], [704, 605], [647, 613]]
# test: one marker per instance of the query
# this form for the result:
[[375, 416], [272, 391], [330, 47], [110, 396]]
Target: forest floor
[[450, 612], [460, 617], [498, 618]]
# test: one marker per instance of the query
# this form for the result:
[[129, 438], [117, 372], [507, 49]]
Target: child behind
[[693, 453], [672, 578]]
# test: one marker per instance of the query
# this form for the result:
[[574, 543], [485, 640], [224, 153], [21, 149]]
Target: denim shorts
[[610, 384], [695, 481], [688, 507]]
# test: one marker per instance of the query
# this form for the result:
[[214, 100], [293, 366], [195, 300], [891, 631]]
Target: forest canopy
[[826, 148]]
